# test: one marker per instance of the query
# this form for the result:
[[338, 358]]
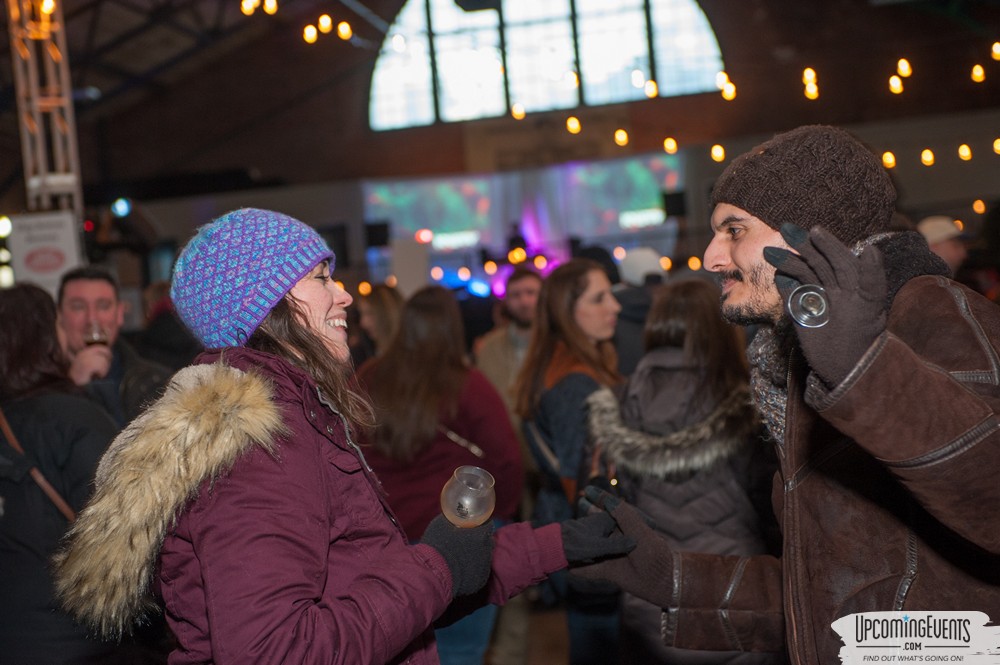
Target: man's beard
[[519, 322], [755, 310]]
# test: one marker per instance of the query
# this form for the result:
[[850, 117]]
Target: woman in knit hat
[[241, 503]]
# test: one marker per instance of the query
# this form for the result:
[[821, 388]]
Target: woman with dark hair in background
[[689, 452], [569, 357], [378, 318], [434, 413], [63, 434]]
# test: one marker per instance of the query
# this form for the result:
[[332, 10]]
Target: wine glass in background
[[468, 498], [95, 334]]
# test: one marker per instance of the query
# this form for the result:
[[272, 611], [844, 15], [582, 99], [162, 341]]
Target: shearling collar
[[208, 417], [727, 429]]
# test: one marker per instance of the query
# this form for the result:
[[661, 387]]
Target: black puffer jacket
[[698, 468], [64, 436]]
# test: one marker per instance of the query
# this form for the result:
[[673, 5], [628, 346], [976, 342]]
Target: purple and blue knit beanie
[[237, 268]]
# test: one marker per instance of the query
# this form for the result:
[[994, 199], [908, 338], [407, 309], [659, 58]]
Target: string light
[[464, 274], [670, 145], [927, 157], [437, 272], [812, 91], [666, 263], [979, 206], [573, 125], [978, 73], [619, 253], [517, 111], [324, 23], [995, 51], [270, 7], [694, 263], [895, 84], [540, 262], [729, 91], [651, 89], [344, 30], [888, 160], [621, 137], [718, 153], [392, 281], [490, 267], [364, 288], [808, 76], [964, 152], [721, 79], [996, 146], [309, 34], [903, 68]]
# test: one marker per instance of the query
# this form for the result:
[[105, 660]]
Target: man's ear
[[122, 308]]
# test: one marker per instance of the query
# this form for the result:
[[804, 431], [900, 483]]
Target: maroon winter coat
[[291, 555]]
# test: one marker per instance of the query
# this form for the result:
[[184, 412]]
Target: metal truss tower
[[45, 106]]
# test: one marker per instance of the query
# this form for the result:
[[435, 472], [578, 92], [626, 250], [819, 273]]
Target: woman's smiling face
[[324, 308]]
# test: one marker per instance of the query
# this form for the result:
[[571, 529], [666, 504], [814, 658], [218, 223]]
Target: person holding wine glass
[[430, 423], [91, 315], [241, 503]]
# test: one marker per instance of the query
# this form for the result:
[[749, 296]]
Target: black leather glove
[[855, 291], [647, 570], [468, 553], [594, 537]]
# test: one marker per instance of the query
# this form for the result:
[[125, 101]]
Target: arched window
[[440, 62]]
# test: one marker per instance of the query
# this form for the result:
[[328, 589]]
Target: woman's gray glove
[[855, 291], [593, 537], [468, 553]]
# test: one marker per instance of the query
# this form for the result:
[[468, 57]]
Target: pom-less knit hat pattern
[[237, 268], [813, 175]]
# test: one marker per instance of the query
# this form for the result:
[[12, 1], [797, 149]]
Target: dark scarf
[[905, 256]]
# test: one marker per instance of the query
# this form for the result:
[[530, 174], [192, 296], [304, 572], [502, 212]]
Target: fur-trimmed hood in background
[[718, 436], [208, 417]]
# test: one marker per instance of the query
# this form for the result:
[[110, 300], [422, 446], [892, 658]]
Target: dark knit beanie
[[236, 269], [813, 175]]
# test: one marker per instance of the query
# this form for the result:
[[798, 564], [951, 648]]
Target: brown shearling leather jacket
[[887, 494]]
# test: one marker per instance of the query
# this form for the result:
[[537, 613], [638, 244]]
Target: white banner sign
[[43, 246]]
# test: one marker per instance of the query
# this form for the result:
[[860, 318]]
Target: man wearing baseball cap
[[945, 239], [878, 379]]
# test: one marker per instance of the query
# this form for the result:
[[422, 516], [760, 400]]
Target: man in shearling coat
[[884, 406]]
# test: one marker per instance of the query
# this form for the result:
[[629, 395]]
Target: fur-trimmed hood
[[722, 433], [208, 417]]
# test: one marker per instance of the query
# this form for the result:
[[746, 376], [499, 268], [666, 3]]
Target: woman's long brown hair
[[417, 381], [283, 334], [554, 322], [686, 314]]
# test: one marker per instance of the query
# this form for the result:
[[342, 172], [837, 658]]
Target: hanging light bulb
[[309, 34], [721, 79], [964, 152], [270, 7], [903, 68], [995, 51], [978, 73], [666, 263], [808, 76], [573, 125], [895, 84], [517, 111], [621, 137], [729, 91], [979, 206], [718, 153], [344, 30], [670, 145], [888, 160], [324, 23], [651, 89], [812, 91], [247, 7], [927, 157]]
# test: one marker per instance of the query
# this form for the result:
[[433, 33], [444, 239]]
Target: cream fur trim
[[208, 417]]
